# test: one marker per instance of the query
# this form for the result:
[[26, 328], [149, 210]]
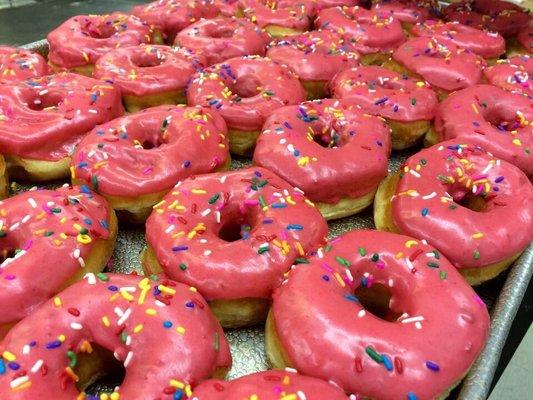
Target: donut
[[513, 74], [522, 44], [161, 332], [49, 239], [408, 12], [149, 75], [135, 160], [444, 65], [330, 149], [494, 15], [279, 18], [227, 8], [383, 316], [489, 45], [407, 105], [373, 35], [42, 120], [3, 178], [233, 236], [245, 91], [477, 210], [168, 17], [316, 57], [268, 385], [19, 64], [81, 40], [219, 39], [492, 118]]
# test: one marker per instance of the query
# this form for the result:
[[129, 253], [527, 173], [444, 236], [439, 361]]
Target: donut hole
[[376, 300], [500, 121], [221, 32], [328, 136], [98, 371], [152, 143], [471, 201], [234, 230], [247, 86], [45, 101], [99, 32], [147, 60], [6, 254]]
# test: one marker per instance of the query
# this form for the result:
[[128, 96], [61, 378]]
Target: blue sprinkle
[[167, 324], [180, 248], [294, 227], [268, 221], [425, 211], [364, 282], [433, 366], [2, 367], [14, 366], [279, 205], [85, 189], [104, 224], [351, 297], [190, 304], [83, 164], [381, 101], [53, 345], [296, 153], [112, 288], [412, 396], [387, 362], [87, 221], [178, 394], [287, 125]]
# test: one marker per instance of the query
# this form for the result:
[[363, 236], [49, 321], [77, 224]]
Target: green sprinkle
[[301, 260], [476, 255], [423, 161], [84, 231], [154, 278], [262, 183], [436, 254], [413, 102], [453, 207], [123, 337], [94, 181], [3, 233], [183, 266], [263, 250], [432, 264], [48, 233], [373, 354], [269, 93], [73, 358], [375, 257], [327, 248], [103, 277], [262, 201], [442, 275], [214, 199], [362, 251], [56, 210], [342, 261]]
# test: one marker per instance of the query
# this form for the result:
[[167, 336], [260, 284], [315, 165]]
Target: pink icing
[[19, 64], [514, 74], [268, 385], [427, 204], [46, 117], [408, 11], [366, 29], [148, 69], [246, 90], [321, 4], [171, 16], [227, 8], [442, 64], [149, 151], [278, 226], [386, 93], [492, 118], [484, 43], [327, 333], [161, 331], [83, 39], [222, 38], [53, 233], [314, 55], [525, 38], [295, 14], [495, 15], [352, 164]]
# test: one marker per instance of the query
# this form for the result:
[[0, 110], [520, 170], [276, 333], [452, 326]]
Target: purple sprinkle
[[180, 248], [499, 179], [432, 366], [53, 345]]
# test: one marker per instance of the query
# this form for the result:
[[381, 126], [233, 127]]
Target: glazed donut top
[[19, 64], [268, 385], [492, 118], [148, 69], [171, 16], [495, 15], [227, 8], [328, 148], [484, 43], [40, 228], [514, 74], [525, 38], [435, 326], [314, 55], [442, 64], [192, 232], [149, 151], [245, 90], [382, 92], [161, 331], [45, 118], [222, 38], [369, 31], [295, 14], [428, 204], [82, 39], [407, 11]]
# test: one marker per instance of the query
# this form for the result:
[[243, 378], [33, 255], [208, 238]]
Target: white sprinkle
[[217, 216], [14, 226], [26, 218], [361, 313], [32, 202], [223, 178], [292, 370], [76, 326], [124, 318], [26, 349], [418, 325], [429, 196], [37, 366], [412, 319], [206, 212], [391, 282], [118, 311], [91, 279], [414, 173], [19, 381], [127, 361], [170, 228], [207, 252]]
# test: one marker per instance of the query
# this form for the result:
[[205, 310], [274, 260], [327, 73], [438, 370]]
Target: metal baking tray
[[502, 295]]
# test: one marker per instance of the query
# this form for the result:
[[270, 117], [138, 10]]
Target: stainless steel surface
[[247, 345]]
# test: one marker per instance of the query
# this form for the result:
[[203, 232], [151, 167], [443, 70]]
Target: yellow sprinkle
[[193, 289], [339, 279], [410, 243], [159, 204], [286, 380], [398, 255], [106, 322], [310, 202], [138, 328], [63, 236], [9, 356], [198, 191], [290, 200], [142, 296], [151, 311], [23, 386], [177, 384], [477, 235], [57, 302], [517, 142], [300, 248], [61, 338], [180, 330], [166, 289], [126, 295], [84, 239], [63, 220], [72, 173]]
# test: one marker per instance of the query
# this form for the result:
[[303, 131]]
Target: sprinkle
[[425, 211], [433, 366], [411, 396], [374, 355], [476, 254]]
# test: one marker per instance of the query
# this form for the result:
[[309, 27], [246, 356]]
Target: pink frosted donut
[[19, 64], [168, 17], [419, 346], [227, 8], [328, 148], [81, 40], [484, 43], [149, 74], [492, 118], [315, 56], [442, 64], [161, 331], [219, 39], [279, 18], [245, 91], [495, 15], [406, 11], [367, 30], [514, 74], [268, 385], [525, 38]]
